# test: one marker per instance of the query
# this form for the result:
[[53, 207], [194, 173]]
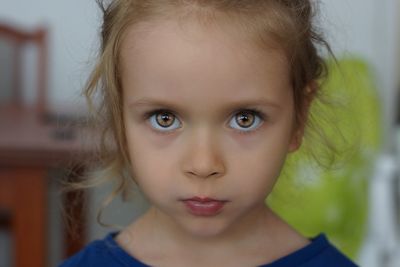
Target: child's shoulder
[[320, 252], [105, 253]]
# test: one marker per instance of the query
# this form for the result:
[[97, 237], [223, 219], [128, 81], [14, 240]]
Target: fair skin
[[207, 141]]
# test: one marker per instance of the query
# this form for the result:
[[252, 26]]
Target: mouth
[[204, 206]]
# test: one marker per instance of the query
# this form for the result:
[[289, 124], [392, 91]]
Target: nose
[[203, 158]]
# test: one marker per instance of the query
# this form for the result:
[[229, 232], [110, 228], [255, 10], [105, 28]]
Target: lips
[[204, 206]]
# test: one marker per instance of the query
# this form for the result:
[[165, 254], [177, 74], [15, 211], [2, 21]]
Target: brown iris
[[245, 119], [165, 119]]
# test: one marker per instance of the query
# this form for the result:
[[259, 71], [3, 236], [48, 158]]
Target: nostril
[[191, 173], [204, 168]]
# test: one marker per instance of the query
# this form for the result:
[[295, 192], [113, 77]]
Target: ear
[[300, 124], [296, 140]]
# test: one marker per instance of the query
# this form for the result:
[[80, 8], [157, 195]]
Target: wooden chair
[[22, 185], [15, 45], [29, 147]]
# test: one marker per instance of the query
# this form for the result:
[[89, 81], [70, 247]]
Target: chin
[[205, 228]]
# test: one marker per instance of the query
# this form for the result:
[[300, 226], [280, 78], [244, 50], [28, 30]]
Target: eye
[[247, 120], [163, 120]]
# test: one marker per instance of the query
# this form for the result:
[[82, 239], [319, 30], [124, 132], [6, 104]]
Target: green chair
[[334, 200]]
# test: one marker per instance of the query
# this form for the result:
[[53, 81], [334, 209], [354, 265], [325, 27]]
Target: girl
[[204, 100]]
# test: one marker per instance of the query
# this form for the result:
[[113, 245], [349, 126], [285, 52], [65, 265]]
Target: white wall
[[370, 29]]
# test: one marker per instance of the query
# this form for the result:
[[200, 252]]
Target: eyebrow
[[147, 101]]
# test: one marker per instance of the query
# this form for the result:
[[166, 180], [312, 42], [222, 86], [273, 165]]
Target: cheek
[[148, 161], [261, 172], [257, 169], [152, 173]]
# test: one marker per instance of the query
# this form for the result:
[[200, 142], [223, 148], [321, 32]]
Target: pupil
[[164, 119], [245, 119]]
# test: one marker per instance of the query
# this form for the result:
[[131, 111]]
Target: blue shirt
[[107, 253]]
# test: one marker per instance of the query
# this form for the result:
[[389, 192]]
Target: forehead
[[193, 57]]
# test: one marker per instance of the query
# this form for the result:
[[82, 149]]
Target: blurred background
[[47, 48]]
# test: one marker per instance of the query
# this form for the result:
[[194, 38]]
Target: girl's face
[[209, 121]]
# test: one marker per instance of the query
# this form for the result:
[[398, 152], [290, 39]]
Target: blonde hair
[[284, 24]]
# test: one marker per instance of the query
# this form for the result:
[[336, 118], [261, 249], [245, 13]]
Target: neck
[[254, 232], [255, 239]]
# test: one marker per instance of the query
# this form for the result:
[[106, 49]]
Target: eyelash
[[149, 114], [254, 111]]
